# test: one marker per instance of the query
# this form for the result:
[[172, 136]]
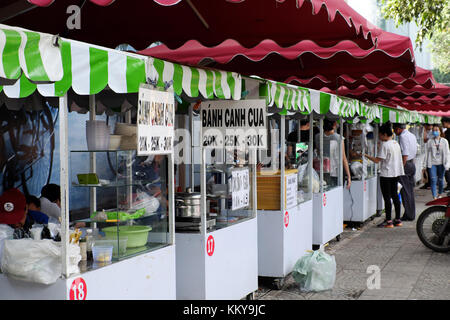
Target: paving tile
[[409, 270], [429, 293], [401, 293], [282, 295], [398, 279]]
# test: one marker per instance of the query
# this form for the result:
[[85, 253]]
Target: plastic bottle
[[89, 241]]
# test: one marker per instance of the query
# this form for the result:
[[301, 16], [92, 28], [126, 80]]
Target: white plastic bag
[[315, 271], [37, 261], [6, 232]]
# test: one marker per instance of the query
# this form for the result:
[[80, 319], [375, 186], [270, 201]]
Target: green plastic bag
[[315, 271]]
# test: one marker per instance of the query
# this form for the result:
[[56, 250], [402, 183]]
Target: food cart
[[284, 183], [126, 218], [361, 134], [216, 222]]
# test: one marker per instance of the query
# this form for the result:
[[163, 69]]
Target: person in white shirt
[[391, 168], [408, 145], [437, 160]]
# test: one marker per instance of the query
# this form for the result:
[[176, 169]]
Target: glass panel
[[131, 202], [229, 186], [332, 147], [297, 150], [360, 140]]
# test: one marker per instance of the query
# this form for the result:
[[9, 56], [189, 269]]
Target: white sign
[[291, 191], [240, 189], [155, 121], [234, 124]]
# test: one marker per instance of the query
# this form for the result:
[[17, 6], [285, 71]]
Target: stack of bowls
[[97, 135], [129, 135]]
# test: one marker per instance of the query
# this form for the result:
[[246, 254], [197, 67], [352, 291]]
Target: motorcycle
[[433, 225]]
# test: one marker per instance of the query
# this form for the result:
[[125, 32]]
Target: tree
[[431, 16], [440, 49], [433, 20]]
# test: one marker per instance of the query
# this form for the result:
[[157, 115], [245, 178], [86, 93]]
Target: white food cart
[[360, 200], [216, 223], [77, 76], [284, 204]]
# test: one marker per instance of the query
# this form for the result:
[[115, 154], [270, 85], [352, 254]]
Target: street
[[408, 270]]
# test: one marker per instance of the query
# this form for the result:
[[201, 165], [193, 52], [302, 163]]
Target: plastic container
[[137, 235], [119, 247], [102, 253]]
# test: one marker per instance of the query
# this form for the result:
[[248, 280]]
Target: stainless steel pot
[[188, 204]]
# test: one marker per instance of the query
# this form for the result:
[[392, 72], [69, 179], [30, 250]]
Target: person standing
[[408, 145], [437, 161], [331, 141], [427, 135], [446, 124], [391, 168]]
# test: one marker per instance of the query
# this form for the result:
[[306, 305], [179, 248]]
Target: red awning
[[423, 78], [398, 91], [140, 23], [394, 53]]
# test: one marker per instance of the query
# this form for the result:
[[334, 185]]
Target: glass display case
[[327, 158], [360, 140], [121, 201], [229, 186], [298, 151], [297, 163]]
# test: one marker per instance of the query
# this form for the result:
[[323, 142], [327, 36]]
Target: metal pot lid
[[188, 194]]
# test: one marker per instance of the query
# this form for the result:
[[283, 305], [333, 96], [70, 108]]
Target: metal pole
[[92, 158], [203, 191], [310, 152], [254, 191], [171, 209], [282, 162], [191, 123], [321, 153], [64, 181], [129, 168], [341, 167]]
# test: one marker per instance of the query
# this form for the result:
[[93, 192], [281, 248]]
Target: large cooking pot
[[188, 204]]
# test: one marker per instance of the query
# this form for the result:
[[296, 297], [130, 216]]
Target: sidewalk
[[409, 270]]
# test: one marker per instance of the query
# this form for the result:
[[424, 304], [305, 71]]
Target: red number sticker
[[365, 186], [210, 246], [286, 219], [78, 289], [324, 200]]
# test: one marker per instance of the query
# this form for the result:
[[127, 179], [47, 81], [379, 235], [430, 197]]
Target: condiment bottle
[[89, 241], [83, 249]]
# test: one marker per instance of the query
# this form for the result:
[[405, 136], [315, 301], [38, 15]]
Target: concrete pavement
[[408, 270]]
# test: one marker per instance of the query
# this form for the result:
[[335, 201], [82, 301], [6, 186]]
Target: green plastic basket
[[137, 235]]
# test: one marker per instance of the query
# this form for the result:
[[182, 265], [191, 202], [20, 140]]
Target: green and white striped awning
[[286, 97], [28, 53], [194, 81], [30, 61]]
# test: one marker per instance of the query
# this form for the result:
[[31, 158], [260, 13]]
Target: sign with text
[[155, 121], [291, 191], [240, 189], [234, 124]]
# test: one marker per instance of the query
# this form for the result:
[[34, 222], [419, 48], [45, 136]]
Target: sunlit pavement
[[408, 270]]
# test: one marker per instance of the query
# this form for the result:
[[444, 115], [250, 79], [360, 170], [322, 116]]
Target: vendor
[[331, 141], [34, 211], [51, 201], [13, 212]]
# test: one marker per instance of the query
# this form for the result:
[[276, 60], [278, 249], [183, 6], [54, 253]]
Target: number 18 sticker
[[78, 289]]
